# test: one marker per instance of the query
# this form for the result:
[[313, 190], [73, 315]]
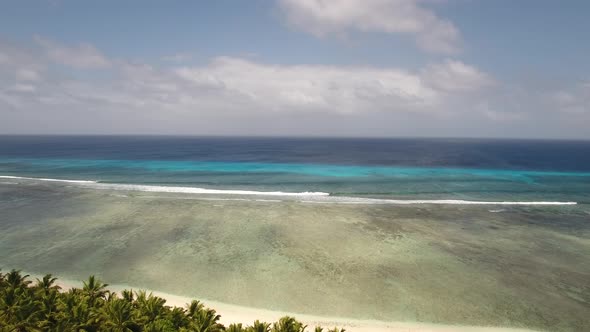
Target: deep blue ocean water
[[472, 169]]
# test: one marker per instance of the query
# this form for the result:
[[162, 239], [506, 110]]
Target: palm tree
[[117, 316], [259, 326], [194, 308], [203, 319], [48, 303], [178, 317], [75, 314], [149, 307], [128, 295], [94, 309], [288, 324], [18, 311], [160, 326], [235, 328], [207, 321], [16, 304], [15, 279], [47, 283], [25, 319], [94, 289]]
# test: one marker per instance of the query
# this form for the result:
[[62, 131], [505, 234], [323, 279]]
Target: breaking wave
[[305, 197]]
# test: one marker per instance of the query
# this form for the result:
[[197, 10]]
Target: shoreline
[[231, 313]]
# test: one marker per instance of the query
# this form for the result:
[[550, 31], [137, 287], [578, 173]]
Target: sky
[[354, 68]]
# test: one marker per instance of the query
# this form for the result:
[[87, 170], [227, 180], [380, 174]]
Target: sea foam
[[44, 179], [306, 197], [358, 200], [168, 189], [196, 190]]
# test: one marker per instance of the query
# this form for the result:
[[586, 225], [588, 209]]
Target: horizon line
[[298, 136]]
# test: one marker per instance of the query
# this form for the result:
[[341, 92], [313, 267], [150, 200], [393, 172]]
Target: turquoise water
[[506, 170], [339, 180], [155, 209], [308, 169]]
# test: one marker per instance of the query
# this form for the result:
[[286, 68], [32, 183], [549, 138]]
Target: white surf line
[[171, 189], [197, 198], [196, 190], [323, 197], [44, 179], [351, 200]]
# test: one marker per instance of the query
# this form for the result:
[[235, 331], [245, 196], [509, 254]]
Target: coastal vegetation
[[41, 305]]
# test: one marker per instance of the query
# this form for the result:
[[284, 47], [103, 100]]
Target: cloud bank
[[234, 95], [404, 17]]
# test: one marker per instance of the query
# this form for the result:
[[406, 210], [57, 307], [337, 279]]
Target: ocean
[[450, 231], [412, 169]]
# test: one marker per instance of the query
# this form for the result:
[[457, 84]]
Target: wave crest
[[307, 196], [45, 179]]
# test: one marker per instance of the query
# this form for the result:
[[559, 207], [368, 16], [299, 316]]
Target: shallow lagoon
[[456, 264]]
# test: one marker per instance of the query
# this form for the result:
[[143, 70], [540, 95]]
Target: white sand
[[246, 315]]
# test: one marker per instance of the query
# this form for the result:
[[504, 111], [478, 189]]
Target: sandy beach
[[246, 315]]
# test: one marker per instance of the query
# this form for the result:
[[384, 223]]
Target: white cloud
[[237, 95], [23, 88], [455, 76], [575, 100], [233, 88], [28, 74], [409, 17], [24, 64], [82, 56], [314, 87], [499, 116], [229, 83], [563, 97]]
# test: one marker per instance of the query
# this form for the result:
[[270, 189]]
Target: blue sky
[[297, 67]]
